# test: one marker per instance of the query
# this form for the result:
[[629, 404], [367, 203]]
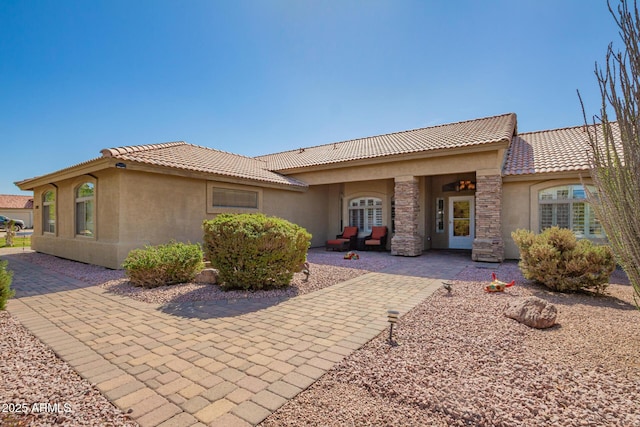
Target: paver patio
[[214, 363]]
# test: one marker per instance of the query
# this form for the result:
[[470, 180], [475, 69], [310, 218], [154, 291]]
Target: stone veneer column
[[488, 245], [406, 241]]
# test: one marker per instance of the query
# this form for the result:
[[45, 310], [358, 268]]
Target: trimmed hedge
[[255, 251], [6, 276], [559, 261], [162, 265]]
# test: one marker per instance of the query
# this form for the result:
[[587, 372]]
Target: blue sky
[[257, 77]]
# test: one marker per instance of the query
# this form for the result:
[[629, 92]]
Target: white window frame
[[47, 207], [365, 213], [440, 218], [85, 201], [573, 198]]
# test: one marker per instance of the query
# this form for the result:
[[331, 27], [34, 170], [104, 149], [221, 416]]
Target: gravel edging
[[38, 388], [322, 276], [327, 269]]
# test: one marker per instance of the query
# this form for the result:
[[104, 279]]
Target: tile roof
[[9, 201], [557, 150], [454, 135], [181, 155]]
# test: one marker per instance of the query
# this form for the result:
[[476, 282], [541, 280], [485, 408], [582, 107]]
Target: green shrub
[[254, 251], [6, 276], [162, 265], [558, 260]]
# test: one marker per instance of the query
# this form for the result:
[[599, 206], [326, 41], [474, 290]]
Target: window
[[439, 215], [365, 213], [85, 197], [49, 212], [567, 207], [229, 198]]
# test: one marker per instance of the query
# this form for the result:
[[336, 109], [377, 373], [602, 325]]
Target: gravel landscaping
[[39, 389], [458, 361], [327, 268]]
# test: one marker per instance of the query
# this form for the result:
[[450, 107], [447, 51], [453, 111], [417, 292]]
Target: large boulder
[[532, 311], [208, 276]]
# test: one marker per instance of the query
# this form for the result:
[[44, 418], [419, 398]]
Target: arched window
[[365, 212], [566, 206], [85, 202], [49, 212]]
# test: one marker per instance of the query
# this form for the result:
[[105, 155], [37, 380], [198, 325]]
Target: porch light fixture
[[465, 185], [392, 317], [462, 185]]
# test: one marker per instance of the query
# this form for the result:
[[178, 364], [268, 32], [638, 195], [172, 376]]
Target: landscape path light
[[392, 316]]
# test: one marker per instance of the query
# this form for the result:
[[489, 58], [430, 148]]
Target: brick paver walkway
[[214, 363]]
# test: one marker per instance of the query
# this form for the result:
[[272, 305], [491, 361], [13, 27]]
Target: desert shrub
[[558, 260], [162, 265], [254, 251], [6, 276]]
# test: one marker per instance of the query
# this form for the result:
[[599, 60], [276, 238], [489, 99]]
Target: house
[[17, 207], [464, 185]]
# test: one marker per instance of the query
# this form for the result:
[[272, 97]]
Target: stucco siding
[[309, 209], [515, 213], [101, 248], [439, 165], [520, 207], [156, 209]]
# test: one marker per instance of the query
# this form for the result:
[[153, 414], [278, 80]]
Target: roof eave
[[110, 162], [188, 173], [543, 176], [488, 146], [71, 172]]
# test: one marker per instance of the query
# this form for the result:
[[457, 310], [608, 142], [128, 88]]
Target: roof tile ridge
[[583, 126], [114, 152], [386, 134], [225, 152]]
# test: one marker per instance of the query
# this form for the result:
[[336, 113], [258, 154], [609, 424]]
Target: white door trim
[[462, 242]]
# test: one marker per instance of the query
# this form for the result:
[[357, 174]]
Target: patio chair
[[345, 241], [377, 239]]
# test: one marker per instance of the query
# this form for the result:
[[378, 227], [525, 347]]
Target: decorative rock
[[533, 312], [208, 276]]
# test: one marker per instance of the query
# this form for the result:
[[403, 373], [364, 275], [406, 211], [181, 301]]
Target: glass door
[[461, 224]]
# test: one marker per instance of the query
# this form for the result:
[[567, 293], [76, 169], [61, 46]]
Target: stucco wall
[[101, 249], [315, 210], [158, 208], [430, 166], [520, 206], [135, 208], [515, 213]]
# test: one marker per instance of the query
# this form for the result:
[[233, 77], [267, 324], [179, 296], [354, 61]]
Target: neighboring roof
[[454, 135], [557, 150], [180, 155], [8, 201]]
